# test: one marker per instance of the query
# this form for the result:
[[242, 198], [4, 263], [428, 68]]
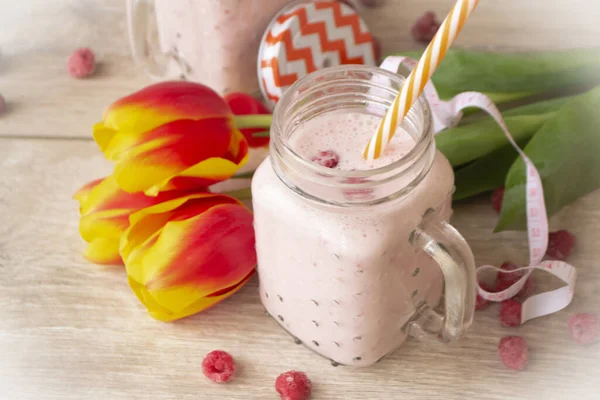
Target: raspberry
[[327, 158], [81, 63], [218, 366], [480, 302], [560, 245], [425, 28], [293, 385], [513, 352], [497, 197], [510, 313], [584, 328], [503, 280]]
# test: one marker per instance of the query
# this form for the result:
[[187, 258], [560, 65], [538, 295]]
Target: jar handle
[[442, 242], [156, 63]]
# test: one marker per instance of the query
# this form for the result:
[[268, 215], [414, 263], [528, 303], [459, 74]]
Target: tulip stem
[[253, 121], [240, 194], [244, 175]]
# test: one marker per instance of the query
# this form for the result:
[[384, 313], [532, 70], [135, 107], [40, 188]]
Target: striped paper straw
[[414, 84]]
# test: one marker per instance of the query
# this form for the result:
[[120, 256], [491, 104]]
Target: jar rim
[[420, 144], [338, 88]]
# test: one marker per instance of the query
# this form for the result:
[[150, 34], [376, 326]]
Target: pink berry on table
[[293, 385], [560, 245], [584, 328], [218, 366], [81, 63], [425, 28], [480, 302], [505, 280], [510, 313], [513, 352], [497, 197]]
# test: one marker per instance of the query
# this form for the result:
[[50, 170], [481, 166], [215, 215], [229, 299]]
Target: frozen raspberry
[[425, 28], [327, 158], [497, 196], [81, 63], [480, 302], [560, 245], [218, 366], [293, 385], [513, 352], [510, 313], [504, 281], [584, 328]]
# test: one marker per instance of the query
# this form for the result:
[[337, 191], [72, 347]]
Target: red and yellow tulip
[[105, 210], [184, 248], [171, 135], [187, 254]]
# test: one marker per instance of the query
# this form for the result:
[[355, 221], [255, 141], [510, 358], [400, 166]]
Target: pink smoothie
[[218, 39], [345, 280]]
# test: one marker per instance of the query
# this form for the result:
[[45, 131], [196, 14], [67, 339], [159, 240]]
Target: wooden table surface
[[73, 330]]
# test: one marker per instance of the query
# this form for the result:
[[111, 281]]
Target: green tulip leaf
[[486, 173], [507, 77], [466, 143], [566, 152]]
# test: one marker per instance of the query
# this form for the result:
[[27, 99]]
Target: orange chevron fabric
[[271, 65]]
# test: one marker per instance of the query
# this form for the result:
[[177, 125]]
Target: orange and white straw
[[420, 75]]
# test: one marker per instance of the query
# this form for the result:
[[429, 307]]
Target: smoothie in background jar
[[214, 42], [338, 263]]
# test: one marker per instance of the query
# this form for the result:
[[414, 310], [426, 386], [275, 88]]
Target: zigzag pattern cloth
[[309, 36]]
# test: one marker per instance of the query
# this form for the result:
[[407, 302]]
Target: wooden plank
[[72, 330]]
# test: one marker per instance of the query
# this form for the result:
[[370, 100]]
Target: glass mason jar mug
[[214, 42], [352, 262]]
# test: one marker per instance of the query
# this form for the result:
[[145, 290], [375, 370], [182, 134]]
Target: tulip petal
[[103, 251], [147, 224], [102, 135], [186, 254], [106, 195], [83, 192], [107, 224], [105, 210], [211, 250], [180, 148], [161, 313], [164, 102]]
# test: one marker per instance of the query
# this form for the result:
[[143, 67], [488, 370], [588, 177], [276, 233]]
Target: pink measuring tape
[[448, 114]]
